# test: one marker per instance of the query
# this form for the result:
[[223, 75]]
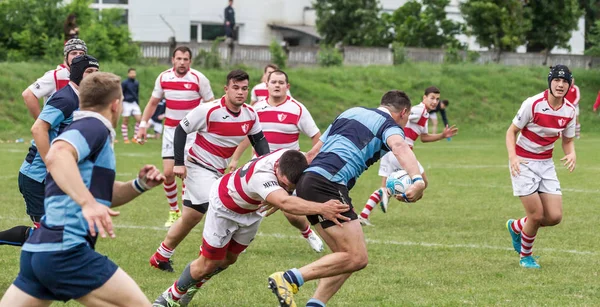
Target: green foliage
[[399, 53], [424, 25], [278, 55], [592, 13], [351, 22], [552, 24], [329, 56], [452, 55], [594, 39], [473, 56], [497, 25], [210, 59], [32, 29]]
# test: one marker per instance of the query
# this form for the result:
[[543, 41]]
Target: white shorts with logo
[[536, 176], [167, 142], [198, 181], [156, 126], [130, 109], [225, 229]]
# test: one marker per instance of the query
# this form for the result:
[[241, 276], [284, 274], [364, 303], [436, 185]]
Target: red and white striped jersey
[[417, 123], [283, 123], [182, 94], [246, 188], [51, 82], [573, 95], [218, 132], [260, 92], [541, 126]]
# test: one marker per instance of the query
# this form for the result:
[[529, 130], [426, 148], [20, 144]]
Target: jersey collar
[[77, 115]]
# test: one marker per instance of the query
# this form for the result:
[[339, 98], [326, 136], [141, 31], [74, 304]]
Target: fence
[[362, 56]]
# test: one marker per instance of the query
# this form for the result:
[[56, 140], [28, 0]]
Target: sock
[[306, 232], [137, 127], [163, 253], [577, 129], [15, 236], [171, 192], [294, 276], [211, 275], [124, 132], [176, 294], [517, 225], [374, 199], [313, 302], [526, 244], [182, 189], [183, 283]]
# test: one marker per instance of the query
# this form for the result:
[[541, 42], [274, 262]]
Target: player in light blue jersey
[[355, 140], [55, 116], [58, 261]]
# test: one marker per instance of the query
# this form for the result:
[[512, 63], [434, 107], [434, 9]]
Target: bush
[[209, 59], [452, 56], [399, 53], [278, 55], [329, 56], [473, 56]]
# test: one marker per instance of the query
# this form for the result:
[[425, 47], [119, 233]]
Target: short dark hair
[[445, 102], [237, 75], [280, 72], [183, 49], [292, 164], [432, 89], [396, 100], [130, 69], [274, 66], [98, 90]]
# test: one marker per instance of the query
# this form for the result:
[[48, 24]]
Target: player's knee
[[536, 217], [359, 261], [192, 217], [553, 220], [169, 176]]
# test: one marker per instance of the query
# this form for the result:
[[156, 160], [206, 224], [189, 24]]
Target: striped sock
[[517, 225], [306, 232], [577, 130], [374, 199], [175, 292], [137, 127], [171, 192], [182, 189], [313, 302], [526, 244], [124, 132], [294, 276], [164, 253]]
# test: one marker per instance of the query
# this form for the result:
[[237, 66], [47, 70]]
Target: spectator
[[71, 28], [597, 104], [229, 23]]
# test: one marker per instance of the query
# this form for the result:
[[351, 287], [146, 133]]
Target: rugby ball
[[398, 182]]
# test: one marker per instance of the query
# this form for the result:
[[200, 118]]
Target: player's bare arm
[[238, 154], [63, 156], [32, 103], [148, 177], [312, 153], [146, 115], [408, 162], [331, 210], [511, 143], [39, 131], [570, 158], [447, 133], [315, 139]]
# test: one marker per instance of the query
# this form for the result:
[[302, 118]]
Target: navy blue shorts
[[33, 194], [63, 275]]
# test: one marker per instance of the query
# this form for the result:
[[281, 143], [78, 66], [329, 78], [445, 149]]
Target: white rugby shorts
[[130, 109], [536, 176], [198, 181], [167, 142]]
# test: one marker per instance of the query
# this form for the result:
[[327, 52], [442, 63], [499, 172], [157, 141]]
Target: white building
[[259, 21]]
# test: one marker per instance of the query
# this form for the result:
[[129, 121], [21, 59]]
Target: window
[[194, 33], [211, 32], [125, 17], [114, 1]]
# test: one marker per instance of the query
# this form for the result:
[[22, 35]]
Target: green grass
[[483, 98], [449, 249]]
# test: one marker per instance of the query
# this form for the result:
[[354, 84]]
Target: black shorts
[[33, 194], [314, 187]]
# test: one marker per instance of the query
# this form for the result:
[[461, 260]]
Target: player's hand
[[98, 216], [515, 163], [449, 131], [150, 176], [332, 210], [141, 135], [232, 165], [180, 171], [414, 192], [267, 207], [569, 161]]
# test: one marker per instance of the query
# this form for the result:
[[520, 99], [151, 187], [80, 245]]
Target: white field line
[[370, 241], [509, 187]]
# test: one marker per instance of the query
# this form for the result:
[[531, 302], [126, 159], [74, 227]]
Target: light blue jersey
[[63, 227], [352, 143], [58, 113]]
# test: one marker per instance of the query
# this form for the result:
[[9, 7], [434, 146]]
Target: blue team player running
[[55, 116], [355, 140], [58, 261]]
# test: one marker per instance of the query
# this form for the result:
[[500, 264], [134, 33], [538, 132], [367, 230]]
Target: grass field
[[449, 249]]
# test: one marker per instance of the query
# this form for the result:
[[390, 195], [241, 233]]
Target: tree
[[592, 13], [552, 24], [499, 25], [594, 38], [351, 22], [424, 25]]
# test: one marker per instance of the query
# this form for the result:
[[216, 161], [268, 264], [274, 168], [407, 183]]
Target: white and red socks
[[306, 232], [171, 193], [135, 131], [164, 253], [578, 130], [517, 225], [526, 244], [124, 132], [374, 199]]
